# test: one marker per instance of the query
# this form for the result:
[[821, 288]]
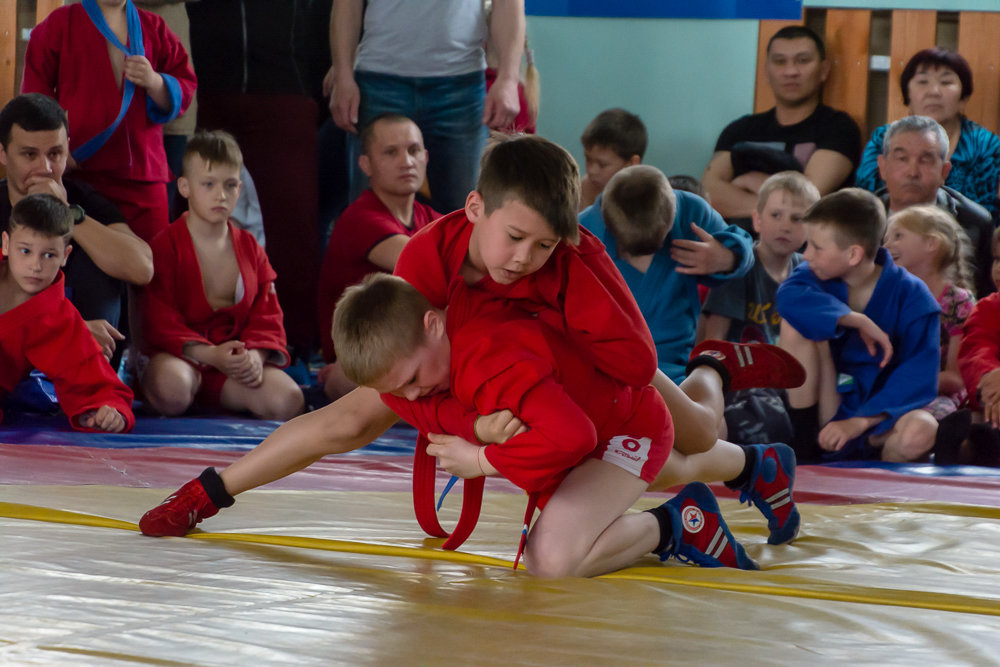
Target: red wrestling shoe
[[699, 534], [743, 366], [182, 510]]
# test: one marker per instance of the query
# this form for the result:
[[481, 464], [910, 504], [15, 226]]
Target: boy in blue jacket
[[867, 332]]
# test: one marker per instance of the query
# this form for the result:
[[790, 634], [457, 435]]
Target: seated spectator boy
[[40, 329], [592, 444], [979, 363], [211, 320], [34, 149], [867, 332], [665, 243], [372, 231], [744, 310], [612, 141]]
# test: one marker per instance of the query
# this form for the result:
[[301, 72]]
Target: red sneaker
[[749, 365], [179, 513]]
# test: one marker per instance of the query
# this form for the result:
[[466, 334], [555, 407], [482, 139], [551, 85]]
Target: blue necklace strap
[[135, 48]]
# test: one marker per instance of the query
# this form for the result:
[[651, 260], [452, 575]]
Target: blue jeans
[[449, 112]]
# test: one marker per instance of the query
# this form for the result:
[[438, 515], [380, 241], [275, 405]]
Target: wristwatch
[[79, 215]]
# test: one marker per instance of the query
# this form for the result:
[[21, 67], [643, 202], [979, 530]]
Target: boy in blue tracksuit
[[665, 243], [867, 332]]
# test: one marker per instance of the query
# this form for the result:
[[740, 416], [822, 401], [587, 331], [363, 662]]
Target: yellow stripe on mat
[[781, 585]]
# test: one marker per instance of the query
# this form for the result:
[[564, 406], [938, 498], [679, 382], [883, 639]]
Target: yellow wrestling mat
[[908, 583]]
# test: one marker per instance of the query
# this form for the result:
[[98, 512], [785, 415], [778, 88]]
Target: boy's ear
[[755, 217], [634, 160], [69, 249], [434, 327], [183, 187], [365, 163], [855, 253], [6, 243], [475, 207]]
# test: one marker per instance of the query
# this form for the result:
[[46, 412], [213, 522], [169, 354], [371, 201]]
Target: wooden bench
[[848, 34]]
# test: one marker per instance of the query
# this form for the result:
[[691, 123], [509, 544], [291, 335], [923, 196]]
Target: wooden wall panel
[[848, 33], [8, 48], [44, 7], [763, 98], [978, 34], [912, 30]]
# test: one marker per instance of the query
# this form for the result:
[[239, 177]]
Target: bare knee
[[549, 562], [169, 386], [284, 404], [912, 437]]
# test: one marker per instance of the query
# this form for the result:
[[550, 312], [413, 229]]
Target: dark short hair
[[797, 32], [617, 129], [214, 147], [368, 131], [43, 213], [856, 216], [689, 184], [934, 58], [638, 207], [32, 112], [539, 174]]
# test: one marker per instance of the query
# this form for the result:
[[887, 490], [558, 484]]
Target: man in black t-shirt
[[798, 133], [34, 148]]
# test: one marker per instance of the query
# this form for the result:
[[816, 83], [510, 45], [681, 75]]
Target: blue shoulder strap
[[135, 48]]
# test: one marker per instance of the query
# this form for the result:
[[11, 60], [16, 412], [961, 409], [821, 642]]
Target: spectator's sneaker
[[770, 489], [700, 534], [743, 366], [179, 513]]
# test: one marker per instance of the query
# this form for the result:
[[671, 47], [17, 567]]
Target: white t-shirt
[[423, 37]]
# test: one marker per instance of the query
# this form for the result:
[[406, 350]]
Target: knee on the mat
[[550, 561]]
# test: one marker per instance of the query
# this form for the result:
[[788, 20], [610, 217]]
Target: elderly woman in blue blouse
[[937, 83]]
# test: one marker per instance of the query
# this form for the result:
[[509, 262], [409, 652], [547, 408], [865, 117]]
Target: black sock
[[744, 476], [985, 445], [709, 360], [952, 431], [215, 489], [805, 433], [664, 518]]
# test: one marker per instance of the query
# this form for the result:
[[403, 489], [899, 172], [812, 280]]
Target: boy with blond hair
[[867, 332], [212, 331], [593, 446], [741, 310], [40, 328]]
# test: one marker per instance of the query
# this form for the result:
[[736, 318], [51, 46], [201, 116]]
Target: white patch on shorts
[[628, 453]]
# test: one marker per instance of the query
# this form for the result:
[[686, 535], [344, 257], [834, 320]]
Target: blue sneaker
[[770, 489], [700, 534]]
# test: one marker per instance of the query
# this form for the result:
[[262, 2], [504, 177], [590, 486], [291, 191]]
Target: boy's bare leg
[[277, 396], [723, 462], [345, 425], [820, 387], [695, 406], [910, 439], [169, 384], [584, 531]]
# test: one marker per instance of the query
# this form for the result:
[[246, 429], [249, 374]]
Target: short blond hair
[[954, 255], [377, 323], [792, 182], [638, 207]]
